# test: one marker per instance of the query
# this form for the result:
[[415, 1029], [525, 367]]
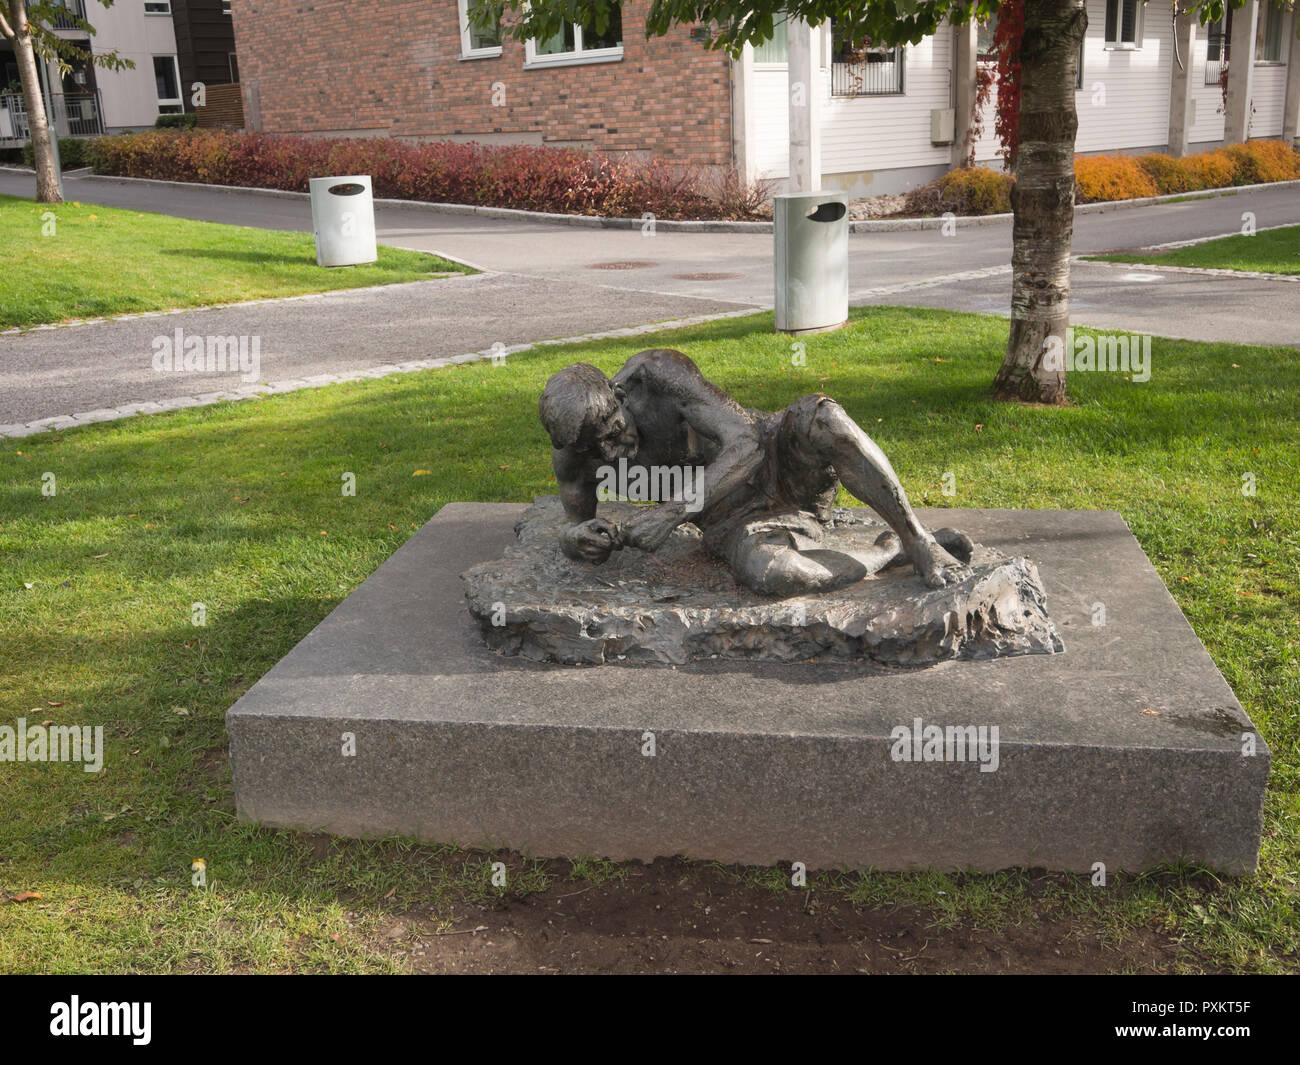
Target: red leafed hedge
[[561, 180]]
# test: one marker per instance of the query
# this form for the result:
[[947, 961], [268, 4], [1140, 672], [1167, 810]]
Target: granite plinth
[[1127, 749]]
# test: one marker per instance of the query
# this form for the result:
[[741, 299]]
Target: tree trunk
[[1043, 202], [47, 179]]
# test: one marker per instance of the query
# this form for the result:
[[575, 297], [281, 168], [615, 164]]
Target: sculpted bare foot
[[956, 543], [935, 566]]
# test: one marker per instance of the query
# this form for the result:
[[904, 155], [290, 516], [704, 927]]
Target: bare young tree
[[29, 25]]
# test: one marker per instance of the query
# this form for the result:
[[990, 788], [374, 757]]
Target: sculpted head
[[580, 410]]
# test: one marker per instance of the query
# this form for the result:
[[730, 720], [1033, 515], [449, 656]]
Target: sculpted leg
[[865, 471], [774, 568]]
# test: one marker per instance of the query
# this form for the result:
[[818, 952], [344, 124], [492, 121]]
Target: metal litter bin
[[812, 261], [343, 221]]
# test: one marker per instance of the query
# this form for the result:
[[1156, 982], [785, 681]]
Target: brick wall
[[324, 67]]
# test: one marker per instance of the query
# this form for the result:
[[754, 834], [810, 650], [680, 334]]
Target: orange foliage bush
[[1257, 162], [1110, 177]]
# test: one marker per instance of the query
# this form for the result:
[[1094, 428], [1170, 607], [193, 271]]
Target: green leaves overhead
[[733, 23]]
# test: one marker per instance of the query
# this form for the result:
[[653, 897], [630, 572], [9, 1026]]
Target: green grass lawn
[[238, 506], [91, 261], [1271, 251]]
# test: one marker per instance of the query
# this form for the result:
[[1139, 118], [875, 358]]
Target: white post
[[805, 96], [743, 155], [1181, 101], [965, 72], [1291, 114], [1241, 73]]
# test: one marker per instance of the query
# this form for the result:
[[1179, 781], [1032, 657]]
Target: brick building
[[883, 121], [414, 68]]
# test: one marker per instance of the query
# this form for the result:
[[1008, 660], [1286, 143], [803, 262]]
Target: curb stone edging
[[1208, 271], [874, 225], [74, 323]]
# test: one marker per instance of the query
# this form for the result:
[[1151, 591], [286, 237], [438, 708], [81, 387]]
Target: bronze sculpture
[[770, 478]]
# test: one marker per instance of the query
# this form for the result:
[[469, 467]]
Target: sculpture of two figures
[[769, 478], [741, 552]]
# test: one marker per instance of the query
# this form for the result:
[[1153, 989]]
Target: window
[[1217, 47], [167, 79], [984, 49], [865, 69], [1268, 34], [163, 7], [777, 50], [577, 43], [234, 67], [477, 42], [1216, 51], [1124, 23]]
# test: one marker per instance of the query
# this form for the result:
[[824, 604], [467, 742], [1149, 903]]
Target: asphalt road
[[549, 281]]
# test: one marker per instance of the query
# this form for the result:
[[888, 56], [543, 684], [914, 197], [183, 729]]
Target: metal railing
[[879, 74], [75, 115], [1217, 49], [76, 9]]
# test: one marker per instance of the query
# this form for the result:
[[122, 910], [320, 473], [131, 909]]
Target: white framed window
[[157, 7], [775, 52], [477, 42], [578, 44], [1218, 45], [866, 70], [1268, 34], [1124, 23], [984, 39], [167, 81]]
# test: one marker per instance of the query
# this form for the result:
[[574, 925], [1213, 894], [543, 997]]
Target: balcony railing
[[75, 115], [76, 9], [880, 73]]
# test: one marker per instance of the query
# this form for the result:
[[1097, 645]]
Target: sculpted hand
[[651, 527], [592, 541]]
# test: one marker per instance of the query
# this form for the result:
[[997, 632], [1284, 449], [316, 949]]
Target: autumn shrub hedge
[[74, 152], [561, 180], [1110, 177], [976, 190], [968, 190], [1119, 177], [569, 181], [1257, 162]]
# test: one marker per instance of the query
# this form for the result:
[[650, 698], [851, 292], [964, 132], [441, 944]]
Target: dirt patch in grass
[[678, 917]]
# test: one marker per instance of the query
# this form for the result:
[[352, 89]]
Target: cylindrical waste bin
[[343, 220], [812, 261]]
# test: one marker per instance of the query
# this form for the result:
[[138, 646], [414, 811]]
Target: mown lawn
[[89, 261], [239, 507], [1270, 251]]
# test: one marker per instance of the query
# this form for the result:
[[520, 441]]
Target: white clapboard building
[[891, 119]]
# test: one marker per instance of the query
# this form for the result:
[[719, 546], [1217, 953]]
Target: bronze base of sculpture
[[680, 603]]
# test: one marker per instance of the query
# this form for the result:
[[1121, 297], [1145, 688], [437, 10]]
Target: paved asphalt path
[[547, 281]]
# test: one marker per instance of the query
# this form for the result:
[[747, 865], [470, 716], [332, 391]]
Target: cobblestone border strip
[[874, 225], [203, 399], [1207, 271], [1170, 244]]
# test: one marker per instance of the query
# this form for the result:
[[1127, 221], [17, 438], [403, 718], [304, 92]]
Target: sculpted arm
[[713, 416], [587, 538]]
